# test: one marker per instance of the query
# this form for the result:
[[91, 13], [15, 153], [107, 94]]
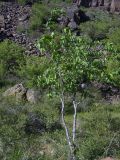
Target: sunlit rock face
[[112, 5], [115, 5]]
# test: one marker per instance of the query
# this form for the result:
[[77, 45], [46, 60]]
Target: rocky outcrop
[[17, 91], [111, 5], [21, 93], [73, 17]]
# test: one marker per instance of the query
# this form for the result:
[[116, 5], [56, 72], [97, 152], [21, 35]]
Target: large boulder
[[19, 91]]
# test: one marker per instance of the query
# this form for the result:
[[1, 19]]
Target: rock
[[108, 158], [24, 18], [115, 6], [72, 25], [112, 5], [18, 91], [32, 96], [14, 18], [1, 147], [35, 124], [2, 22]]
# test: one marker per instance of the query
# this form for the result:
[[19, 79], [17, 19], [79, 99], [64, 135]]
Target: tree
[[73, 62]]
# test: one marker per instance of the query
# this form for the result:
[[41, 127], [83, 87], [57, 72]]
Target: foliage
[[101, 24], [54, 15], [33, 66], [44, 16], [114, 37], [98, 139], [11, 58], [96, 30], [39, 15], [113, 69], [72, 62], [95, 130], [16, 144]]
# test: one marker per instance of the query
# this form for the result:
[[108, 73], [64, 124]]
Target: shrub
[[114, 37], [11, 58], [39, 15], [98, 137], [113, 70], [34, 65], [96, 30], [52, 20]]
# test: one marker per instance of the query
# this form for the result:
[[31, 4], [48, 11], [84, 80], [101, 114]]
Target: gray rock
[[2, 21], [23, 18], [72, 25], [18, 91], [1, 147], [112, 5], [32, 96]]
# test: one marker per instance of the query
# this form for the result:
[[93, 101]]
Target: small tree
[[72, 63]]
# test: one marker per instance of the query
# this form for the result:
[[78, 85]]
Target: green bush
[[51, 22], [39, 15], [96, 30], [113, 69], [114, 37], [34, 65], [98, 138], [11, 58]]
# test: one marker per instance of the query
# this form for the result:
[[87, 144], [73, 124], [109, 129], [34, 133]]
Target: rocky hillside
[[13, 16]]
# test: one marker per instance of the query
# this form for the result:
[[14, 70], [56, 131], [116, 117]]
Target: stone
[[1, 147], [112, 5], [32, 96], [24, 17], [115, 6], [72, 25], [108, 158], [2, 21], [18, 91]]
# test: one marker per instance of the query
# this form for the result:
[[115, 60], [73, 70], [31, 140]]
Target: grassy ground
[[98, 131]]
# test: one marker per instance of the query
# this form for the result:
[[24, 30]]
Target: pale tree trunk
[[71, 143], [74, 120]]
